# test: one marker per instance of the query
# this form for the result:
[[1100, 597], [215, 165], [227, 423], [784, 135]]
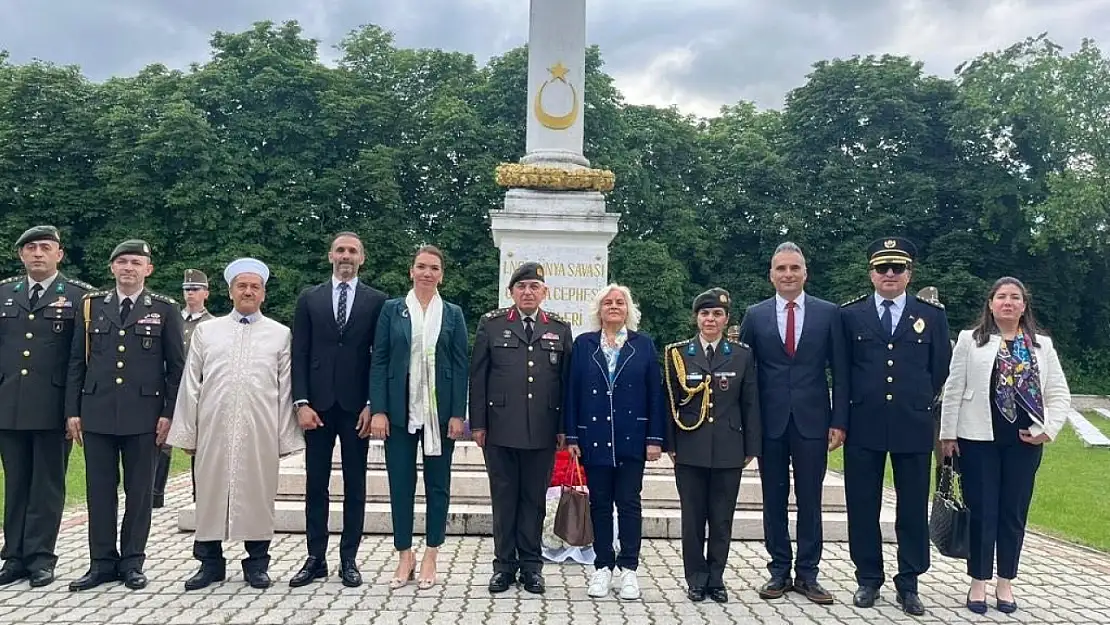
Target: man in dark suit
[[899, 351], [125, 366], [36, 327], [333, 334], [796, 339], [714, 432], [518, 369]]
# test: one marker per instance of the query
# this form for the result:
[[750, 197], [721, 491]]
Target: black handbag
[[950, 520]]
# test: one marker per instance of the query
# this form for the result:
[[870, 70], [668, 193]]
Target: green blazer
[[389, 365]]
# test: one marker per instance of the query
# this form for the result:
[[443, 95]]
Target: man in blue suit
[[796, 339]]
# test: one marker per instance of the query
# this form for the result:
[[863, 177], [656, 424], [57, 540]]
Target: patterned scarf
[[1019, 380], [612, 352]]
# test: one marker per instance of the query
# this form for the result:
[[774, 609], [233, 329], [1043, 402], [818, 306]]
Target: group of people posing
[[128, 375]]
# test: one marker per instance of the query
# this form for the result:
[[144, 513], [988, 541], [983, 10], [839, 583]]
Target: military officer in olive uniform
[[715, 430], [898, 351], [36, 327], [194, 289], [124, 369], [518, 370]]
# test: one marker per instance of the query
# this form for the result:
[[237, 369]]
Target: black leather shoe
[[1005, 607], [42, 577], [159, 501], [348, 572], [134, 579], [814, 592], [865, 597], [532, 582], [92, 579], [775, 588], [12, 573], [500, 582], [314, 568], [257, 579], [720, 595], [206, 576], [911, 603], [978, 607], [697, 595]]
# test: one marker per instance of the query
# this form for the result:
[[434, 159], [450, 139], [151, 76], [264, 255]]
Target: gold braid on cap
[[680, 371]]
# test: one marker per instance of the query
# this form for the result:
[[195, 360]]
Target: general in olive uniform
[[36, 327], [520, 363], [124, 370], [714, 432], [898, 350]]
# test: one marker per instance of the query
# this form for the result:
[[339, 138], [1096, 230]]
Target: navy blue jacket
[[617, 421], [798, 386]]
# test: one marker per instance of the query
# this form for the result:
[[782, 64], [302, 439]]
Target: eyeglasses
[[885, 267]]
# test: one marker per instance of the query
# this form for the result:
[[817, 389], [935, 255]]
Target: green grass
[[75, 477], [1071, 499]]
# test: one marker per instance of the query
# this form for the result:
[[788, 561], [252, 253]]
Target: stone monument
[[554, 211]]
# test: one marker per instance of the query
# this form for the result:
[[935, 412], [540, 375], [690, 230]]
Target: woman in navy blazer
[[614, 412], [418, 384]]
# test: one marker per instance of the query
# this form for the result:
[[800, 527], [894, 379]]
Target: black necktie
[[709, 352], [244, 321], [888, 318], [36, 291], [528, 328], [124, 309], [341, 312]]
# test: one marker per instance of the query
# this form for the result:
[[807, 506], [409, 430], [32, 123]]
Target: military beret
[[194, 279], [137, 247], [891, 250], [527, 271], [713, 298], [38, 233]]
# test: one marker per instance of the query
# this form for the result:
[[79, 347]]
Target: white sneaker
[[600, 583], [630, 586]]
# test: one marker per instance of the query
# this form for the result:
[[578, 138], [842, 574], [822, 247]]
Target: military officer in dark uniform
[[715, 430], [898, 351], [36, 327], [124, 369], [520, 363], [194, 289]]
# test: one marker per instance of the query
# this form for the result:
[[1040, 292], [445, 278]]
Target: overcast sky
[[698, 54]]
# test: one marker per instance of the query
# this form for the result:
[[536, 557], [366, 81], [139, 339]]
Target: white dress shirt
[[895, 310], [251, 318], [120, 297], [799, 316], [353, 286], [705, 344], [45, 285]]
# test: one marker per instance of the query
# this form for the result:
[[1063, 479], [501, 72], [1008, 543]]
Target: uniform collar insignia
[[692, 349], [726, 348]]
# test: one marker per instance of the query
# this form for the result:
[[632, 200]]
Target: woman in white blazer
[[1005, 397]]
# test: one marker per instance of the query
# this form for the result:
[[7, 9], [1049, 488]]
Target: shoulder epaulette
[[79, 283], [92, 294], [11, 279], [500, 312], [162, 298], [740, 344], [931, 302], [681, 343], [555, 317], [853, 301]]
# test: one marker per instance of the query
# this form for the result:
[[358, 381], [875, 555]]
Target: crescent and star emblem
[[556, 122]]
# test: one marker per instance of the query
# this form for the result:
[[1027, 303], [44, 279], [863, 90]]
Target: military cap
[[137, 247], [891, 250], [713, 298], [527, 271], [194, 279], [38, 233]]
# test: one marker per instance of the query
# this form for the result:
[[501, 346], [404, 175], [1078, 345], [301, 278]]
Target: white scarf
[[422, 370]]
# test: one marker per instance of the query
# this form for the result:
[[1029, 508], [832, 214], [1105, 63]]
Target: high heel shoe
[[978, 607], [399, 582], [426, 582]]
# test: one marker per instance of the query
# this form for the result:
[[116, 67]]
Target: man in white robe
[[234, 414]]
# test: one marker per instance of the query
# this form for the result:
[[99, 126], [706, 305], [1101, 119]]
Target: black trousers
[[620, 485], [809, 456], [998, 487], [708, 497], [518, 480], [35, 463], [211, 555], [103, 453], [319, 444], [863, 488]]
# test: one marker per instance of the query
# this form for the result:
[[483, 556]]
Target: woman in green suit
[[418, 386]]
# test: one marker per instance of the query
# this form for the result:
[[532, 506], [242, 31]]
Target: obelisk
[[554, 211]]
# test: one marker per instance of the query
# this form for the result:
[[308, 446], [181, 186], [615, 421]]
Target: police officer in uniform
[[518, 369], [898, 350], [124, 369], [714, 432], [194, 289], [36, 327]]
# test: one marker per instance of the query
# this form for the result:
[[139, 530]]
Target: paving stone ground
[[1059, 583]]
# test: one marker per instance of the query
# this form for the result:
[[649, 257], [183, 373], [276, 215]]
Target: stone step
[[477, 520], [472, 487], [1087, 432]]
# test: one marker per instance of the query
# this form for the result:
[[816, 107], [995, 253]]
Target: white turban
[[246, 265]]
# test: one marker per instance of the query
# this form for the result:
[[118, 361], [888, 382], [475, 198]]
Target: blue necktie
[[244, 321], [341, 309], [888, 318]]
